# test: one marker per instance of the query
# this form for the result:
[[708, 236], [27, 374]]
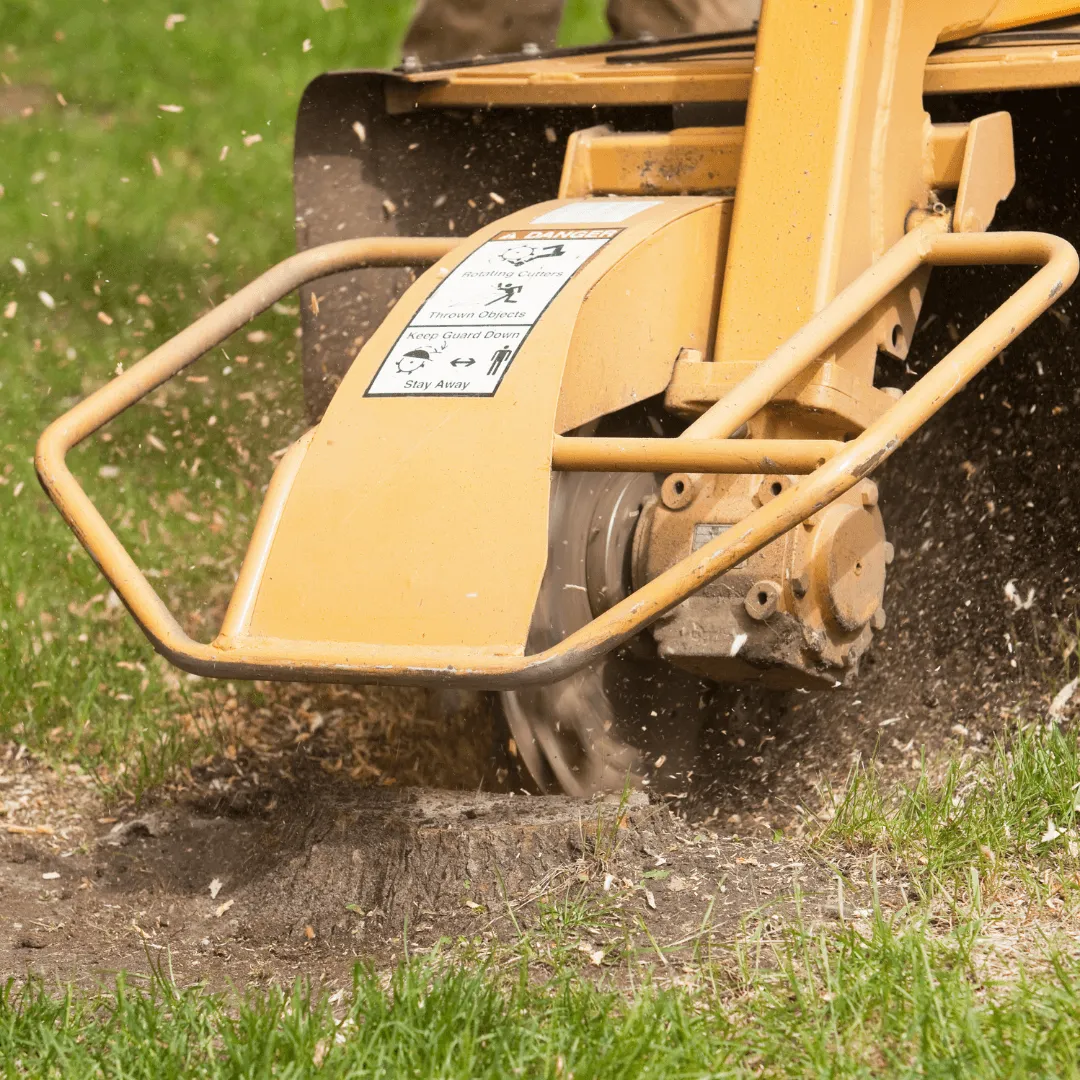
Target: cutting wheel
[[630, 718]]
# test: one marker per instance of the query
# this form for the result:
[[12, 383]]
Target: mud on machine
[[619, 435]]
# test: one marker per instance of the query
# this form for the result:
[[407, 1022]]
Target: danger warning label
[[466, 334]]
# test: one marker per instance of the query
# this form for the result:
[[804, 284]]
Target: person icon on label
[[507, 292], [498, 359]]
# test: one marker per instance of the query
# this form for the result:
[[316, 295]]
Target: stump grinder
[[590, 342]]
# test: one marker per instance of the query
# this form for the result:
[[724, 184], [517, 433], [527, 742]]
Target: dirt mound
[[216, 890], [412, 855]]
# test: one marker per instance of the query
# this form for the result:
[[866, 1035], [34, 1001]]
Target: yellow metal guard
[[705, 446]]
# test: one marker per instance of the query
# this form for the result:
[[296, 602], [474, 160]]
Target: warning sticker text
[[465, 336]]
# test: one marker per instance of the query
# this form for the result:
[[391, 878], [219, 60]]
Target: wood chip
[[1063, 697], [594, 954], [30, 830]]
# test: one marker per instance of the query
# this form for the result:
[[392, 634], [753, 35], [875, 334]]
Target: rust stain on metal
[[872, 462]]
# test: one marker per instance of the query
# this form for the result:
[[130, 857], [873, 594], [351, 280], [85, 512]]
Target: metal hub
[[630, 718]]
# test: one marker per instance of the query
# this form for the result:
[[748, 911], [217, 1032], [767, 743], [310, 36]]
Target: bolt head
[[762, 600], [770, 487], [677, 491]]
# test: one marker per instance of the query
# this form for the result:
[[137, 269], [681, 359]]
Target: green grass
[[1015, 813], [113, 206], [881, 998], [583, 23], [99, 231]]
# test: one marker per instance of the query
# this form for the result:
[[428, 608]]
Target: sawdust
[[21, 102], [983, 496]]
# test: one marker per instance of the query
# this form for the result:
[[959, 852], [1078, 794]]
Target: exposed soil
[[306, 878]]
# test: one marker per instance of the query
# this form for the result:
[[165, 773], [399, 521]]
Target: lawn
[[883, 997], [145, 174]]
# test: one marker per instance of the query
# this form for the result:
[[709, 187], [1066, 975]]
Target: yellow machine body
[[386, 477], [748, 272]]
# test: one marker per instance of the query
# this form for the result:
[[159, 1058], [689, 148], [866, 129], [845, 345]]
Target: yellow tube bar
[[507, 667]]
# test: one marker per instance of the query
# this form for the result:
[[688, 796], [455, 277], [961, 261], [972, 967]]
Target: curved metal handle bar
[[508, 668], [161, 365]]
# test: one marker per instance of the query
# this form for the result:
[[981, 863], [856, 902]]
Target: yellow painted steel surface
[[593, 79], [661, 298], [750, 456], [405, 538], [1009, 14], [423, 520], [974, 161], [832, 161], [426, 663], [687, 161], [1005, 67], [987, 172]]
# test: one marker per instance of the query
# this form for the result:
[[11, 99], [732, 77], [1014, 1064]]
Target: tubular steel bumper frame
[[705, 446]]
